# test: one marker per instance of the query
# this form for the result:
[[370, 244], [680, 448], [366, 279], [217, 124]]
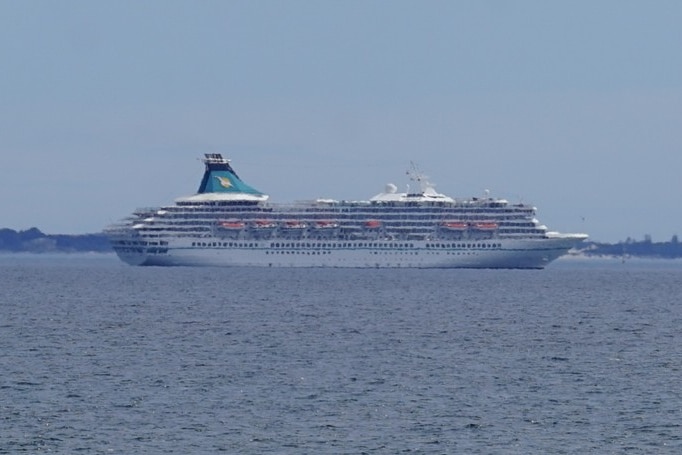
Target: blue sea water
[[100, 357]]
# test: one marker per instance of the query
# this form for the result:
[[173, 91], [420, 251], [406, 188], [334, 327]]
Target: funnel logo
[[224, 181]]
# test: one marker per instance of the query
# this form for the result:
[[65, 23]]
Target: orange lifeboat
[[486, 226], [326, 224], [455, 225], [372, 224], [232, 225], [294, 224], [264, 224]]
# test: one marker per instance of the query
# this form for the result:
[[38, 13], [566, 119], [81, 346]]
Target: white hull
[[496, 253]]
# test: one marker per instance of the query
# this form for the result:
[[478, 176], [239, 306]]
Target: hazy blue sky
[[573, 106]]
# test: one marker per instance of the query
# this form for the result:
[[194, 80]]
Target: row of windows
[[344, 214], [345, 245], [329, 252], [341, 245], [298, 252], [139, 242], [306, 245], [354, 209], [389, 222], [463, 245], [341, 209]]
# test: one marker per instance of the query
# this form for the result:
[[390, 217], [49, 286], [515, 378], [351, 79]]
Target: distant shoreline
[[35, 241]]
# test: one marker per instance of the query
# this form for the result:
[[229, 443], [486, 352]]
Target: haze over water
[[99, 357], [573, 107]]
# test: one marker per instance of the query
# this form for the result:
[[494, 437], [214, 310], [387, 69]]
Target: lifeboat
[[373, 224], [326, 224], [486, 226], [264, 224], [455, 225], [231, 225], [294, 224]]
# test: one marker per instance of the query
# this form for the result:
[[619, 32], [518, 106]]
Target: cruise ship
[[230, 223]]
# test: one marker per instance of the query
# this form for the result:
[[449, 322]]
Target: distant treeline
[[644, 248], [34, 241]]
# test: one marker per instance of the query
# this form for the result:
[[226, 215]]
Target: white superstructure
[[229, 223]]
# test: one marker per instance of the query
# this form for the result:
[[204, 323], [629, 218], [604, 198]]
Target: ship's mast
[[417, 176]]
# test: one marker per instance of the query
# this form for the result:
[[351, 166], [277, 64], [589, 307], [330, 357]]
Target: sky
[[574, 107]]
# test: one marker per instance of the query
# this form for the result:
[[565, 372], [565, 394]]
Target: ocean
[[99, 357]]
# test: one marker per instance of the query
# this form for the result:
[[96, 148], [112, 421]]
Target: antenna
[[414, 173], [417, 176]]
